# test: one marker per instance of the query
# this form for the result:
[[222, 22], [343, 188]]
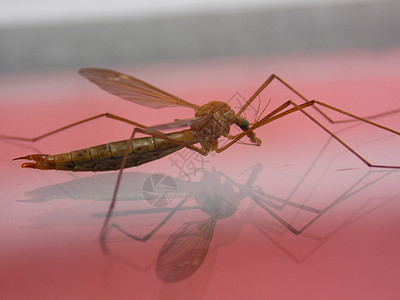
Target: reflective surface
[[349, 248]]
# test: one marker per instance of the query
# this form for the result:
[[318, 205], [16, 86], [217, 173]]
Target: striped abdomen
[[109, 156]]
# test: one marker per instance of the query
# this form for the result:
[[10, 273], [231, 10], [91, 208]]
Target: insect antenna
[[258, 109], [258, 117]]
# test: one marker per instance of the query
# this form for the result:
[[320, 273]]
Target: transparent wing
[[185, 250], [179, 123], [133, 89]]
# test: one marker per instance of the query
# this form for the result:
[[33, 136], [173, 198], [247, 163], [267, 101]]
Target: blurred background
[[49, 35], [343, 52]]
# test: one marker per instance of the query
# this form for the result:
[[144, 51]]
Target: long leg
[[340, 140], [273, 76], [114, 117], [276, 114], [327, 117], [279, 113], [140, 239], [140, 128], [107, 115], [260, 89], [103, 231]]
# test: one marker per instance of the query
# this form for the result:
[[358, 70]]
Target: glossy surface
[[50, 220]]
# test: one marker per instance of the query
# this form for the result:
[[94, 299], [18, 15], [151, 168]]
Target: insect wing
[[185, 250], [133, 89], [179, 123]]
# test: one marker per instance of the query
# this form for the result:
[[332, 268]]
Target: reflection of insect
[[185, 250], [211, 121], [187, 247]]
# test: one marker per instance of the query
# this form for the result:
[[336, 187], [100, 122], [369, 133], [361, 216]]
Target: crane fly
[[186, 248], [211, 121]]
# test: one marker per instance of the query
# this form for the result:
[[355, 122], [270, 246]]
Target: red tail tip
[[28, 165]]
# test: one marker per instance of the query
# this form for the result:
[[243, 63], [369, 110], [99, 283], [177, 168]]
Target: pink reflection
[[348, 246]]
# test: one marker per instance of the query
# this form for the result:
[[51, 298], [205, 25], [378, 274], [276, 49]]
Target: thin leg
[[280, 112], [140, 239], [105, 226], [276, 217], [232, 137], [327, 117], [260, 89], [107, 115], [319, 213], [275, 114], [340, 140], [273, 76]]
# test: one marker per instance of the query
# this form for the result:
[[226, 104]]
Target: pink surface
[[50, 220]]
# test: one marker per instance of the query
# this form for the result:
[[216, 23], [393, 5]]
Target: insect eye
[[244, 125]]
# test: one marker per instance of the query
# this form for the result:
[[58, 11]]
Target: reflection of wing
[[185, 250], [133, 89]]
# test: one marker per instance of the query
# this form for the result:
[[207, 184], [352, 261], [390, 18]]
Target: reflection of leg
[[155, 133], [151, 133], [279, 219], [351, 191], [107, 115], [105, 230], [260, 197]]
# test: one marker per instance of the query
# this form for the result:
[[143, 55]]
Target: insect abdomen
[[97, 158], [109, 157]]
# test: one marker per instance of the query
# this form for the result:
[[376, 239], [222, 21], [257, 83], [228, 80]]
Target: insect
[[211, 121], [186, 248]]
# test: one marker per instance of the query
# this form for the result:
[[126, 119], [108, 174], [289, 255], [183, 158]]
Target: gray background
[[316, 28]]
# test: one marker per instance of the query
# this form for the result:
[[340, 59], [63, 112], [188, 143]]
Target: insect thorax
[[208, 132], [216, 205]]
